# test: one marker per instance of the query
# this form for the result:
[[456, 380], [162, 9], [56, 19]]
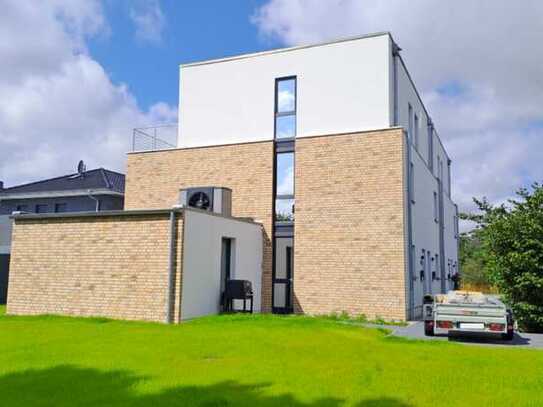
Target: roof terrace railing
[[160, 137]]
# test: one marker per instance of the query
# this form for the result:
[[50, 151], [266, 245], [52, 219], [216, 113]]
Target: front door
[[282, 281]]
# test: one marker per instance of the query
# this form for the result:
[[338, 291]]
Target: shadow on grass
[[64, 386]]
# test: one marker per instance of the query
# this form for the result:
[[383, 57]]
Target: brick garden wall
[[114, 266], [349, 233], [153, 180]]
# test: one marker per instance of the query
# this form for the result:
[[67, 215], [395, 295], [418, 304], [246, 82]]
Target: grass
[[252, 361]]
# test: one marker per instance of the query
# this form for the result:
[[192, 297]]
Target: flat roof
[[132, 212], [287, 49]]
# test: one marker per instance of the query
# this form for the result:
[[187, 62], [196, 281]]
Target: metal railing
[[161, 137]]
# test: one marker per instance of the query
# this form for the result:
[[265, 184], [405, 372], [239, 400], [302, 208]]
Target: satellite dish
[[81, 168]]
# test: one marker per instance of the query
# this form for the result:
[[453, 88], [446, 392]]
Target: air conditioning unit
[[212, 199]]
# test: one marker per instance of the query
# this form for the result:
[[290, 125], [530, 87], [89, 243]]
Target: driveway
[[415, 330]]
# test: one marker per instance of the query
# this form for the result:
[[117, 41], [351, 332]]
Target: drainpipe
[[395, 55], [409, 226], [97, 208], [171, 268]]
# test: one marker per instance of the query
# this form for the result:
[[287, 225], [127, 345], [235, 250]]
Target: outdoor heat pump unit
[[212, 199]]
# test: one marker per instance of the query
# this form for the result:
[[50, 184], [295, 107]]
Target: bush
[[512, 241]]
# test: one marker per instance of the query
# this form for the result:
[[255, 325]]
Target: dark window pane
[[22, 208], [286, 95], [41, 208], [284, 257], [61, 207], [285, 174], [285, 127], [284, 210]]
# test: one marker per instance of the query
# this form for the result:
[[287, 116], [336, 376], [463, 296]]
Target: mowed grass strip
[[260, 360]]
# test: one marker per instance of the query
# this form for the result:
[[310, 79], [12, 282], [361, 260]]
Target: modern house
[[94, 190], [327, 147]]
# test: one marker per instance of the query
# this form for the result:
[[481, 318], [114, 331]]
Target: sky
[[78, 75]]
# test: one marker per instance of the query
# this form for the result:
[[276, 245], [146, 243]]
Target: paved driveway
[[522, 340]]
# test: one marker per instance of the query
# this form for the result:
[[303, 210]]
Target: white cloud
[[148, 19], [489, 49], [285, 101], [58, 104], [285, 182]]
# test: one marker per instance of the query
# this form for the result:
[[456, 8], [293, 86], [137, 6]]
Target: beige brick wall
[[153, 180], [349, 233], [115, 266]]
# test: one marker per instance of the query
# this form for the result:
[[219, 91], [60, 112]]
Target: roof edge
[[99, 214], [286, 49], [57, 178]]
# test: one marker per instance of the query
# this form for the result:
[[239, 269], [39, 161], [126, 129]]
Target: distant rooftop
[[99, 178]]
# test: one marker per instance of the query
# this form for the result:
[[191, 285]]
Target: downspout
[[457, 241], [409, 231], [441, 225], [407, 181], [97, 207], [395, 53], [171, 268]]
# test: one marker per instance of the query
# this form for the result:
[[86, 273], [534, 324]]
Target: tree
[[473, 263], [511, 238]]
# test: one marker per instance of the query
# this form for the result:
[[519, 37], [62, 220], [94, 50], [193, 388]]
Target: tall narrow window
[[410, 122], [416, 130], [283, 225], [285, 108]]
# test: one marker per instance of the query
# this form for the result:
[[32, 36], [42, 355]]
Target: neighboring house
[[94, 190], [328, 146]]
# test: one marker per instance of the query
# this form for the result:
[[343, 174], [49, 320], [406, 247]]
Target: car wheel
[[508, 336]]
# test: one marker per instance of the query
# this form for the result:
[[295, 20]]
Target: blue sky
[[192, 31]]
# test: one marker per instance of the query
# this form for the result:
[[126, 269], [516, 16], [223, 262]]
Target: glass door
[[282, 279]]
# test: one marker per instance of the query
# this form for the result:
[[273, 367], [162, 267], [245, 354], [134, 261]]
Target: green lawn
[[252, 361]]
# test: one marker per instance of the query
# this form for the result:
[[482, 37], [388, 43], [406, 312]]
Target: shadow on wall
[[64, 386]]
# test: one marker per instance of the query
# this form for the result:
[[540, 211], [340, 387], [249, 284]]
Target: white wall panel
[[341, 87], [202, 261]]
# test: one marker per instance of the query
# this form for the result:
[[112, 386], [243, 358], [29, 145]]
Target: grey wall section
[[4, 277], [73, 203], [6, 225]]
